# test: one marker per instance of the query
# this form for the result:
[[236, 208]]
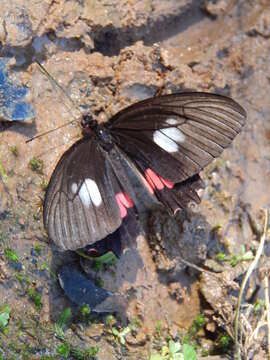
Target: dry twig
[[266, 298], [244, 283]]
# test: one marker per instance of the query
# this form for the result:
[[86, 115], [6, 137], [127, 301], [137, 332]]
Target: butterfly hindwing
[[178, 134]]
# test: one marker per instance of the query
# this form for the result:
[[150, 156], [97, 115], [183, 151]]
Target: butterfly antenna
[[50, 131], [49, 76], [42, 68]]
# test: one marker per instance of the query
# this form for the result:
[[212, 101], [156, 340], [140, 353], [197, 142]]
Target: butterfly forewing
[[183, 105], [185, 131], [80, 206]]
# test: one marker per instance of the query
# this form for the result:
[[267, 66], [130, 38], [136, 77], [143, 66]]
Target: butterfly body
[[164, 142], [102, 135]]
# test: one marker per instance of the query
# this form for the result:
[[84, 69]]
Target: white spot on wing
[[171, 121], [84, 194], [174, 134], [164, 142], [74, 188], [89, 192]]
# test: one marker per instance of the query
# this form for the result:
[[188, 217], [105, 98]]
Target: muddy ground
[[107, 55]]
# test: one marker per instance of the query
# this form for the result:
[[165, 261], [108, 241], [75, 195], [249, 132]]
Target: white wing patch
[[174, 134], [164, 142], [172, 121], [167, 138], [89, 192], [74, 188]]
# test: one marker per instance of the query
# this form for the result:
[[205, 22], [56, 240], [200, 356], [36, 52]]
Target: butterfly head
[[88, 123]]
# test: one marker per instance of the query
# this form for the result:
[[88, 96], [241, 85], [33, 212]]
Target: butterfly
[[163, 142]]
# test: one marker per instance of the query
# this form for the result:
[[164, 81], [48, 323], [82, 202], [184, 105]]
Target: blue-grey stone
[[13, 103], [80, 289]]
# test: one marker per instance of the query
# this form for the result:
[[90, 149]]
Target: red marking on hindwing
[[168, 183], [156, 181], [153, 179], [124, 202], [92, 252]]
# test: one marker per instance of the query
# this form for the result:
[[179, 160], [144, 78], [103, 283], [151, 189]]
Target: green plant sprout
[[3, 174], [14, 150], [11, 255], [36, 165], [235, 259], [62, 321], [4, 316], [175, 351], [36, 298], [121, 335]]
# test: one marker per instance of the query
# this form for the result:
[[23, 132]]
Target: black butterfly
[[165, 141]]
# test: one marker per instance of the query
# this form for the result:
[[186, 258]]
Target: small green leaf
[[259, 305], [44, 184], [224, 341], [242, 249], [123, 334], [165, 351], [3, 174], [11, 255], [189, 352], [36, 165], [115, 332], [174, 347], [63, 349], [36, 298], [14, 150], [64, 317], [197, 324], [248, 256], [122, 340], [177, 347], [59, 332], [156, 357], [45, 266], [84, 310], [4, 319], [221, 256], [110, 321], [200, 321], [37, 249], [236, 259], [4, 315], [125, 331], [107, 258], [92, 351]]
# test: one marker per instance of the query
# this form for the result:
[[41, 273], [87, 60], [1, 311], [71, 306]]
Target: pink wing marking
[[124, 202], [156, 181]]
